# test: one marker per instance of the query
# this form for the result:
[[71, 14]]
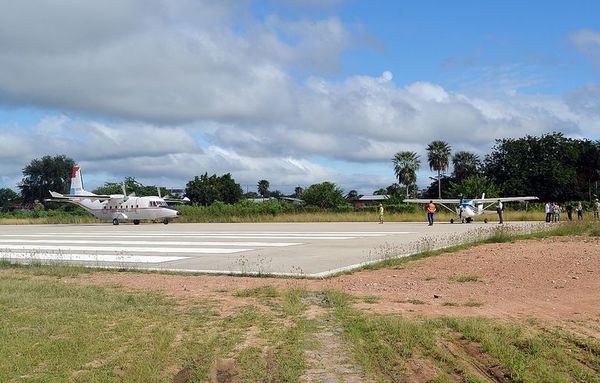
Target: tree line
[[551, 167]]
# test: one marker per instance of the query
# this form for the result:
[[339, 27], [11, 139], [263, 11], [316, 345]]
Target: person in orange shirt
[[430, 212]]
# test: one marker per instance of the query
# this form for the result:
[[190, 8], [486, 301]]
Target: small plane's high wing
[[504, 199]]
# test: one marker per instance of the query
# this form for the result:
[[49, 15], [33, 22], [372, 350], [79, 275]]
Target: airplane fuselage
[[128, 208]]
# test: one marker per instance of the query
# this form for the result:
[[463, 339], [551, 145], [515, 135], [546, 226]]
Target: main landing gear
[[136, 221], [115, 221], [166, 221], [468, 220]]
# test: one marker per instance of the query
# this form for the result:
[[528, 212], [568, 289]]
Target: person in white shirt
[[499, 208]]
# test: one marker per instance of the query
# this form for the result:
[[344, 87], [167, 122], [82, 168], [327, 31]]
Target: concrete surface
[[309, 249]]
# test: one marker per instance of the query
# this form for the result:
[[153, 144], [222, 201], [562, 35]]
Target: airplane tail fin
[[77, 182]]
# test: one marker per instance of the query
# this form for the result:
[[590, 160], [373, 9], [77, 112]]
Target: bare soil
[[552, 279]]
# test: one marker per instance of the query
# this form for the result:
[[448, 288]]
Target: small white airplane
[[117, 207], [466, 209]]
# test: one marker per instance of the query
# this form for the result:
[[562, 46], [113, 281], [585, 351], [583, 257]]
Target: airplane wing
[[443, 202], [434, 200], [504, 199]]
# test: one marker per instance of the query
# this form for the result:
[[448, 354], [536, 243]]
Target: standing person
[[499, 208], [547, 207], [570, 211], [430, 212], [579, 210], [552, 205], [557, 210], [380, 213], [597, 209]]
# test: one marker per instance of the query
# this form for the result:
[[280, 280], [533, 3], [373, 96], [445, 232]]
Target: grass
[[371, 299], [472, 303], [467, 278], [57, 331], [258, 292], [385, 345], [129, 336]]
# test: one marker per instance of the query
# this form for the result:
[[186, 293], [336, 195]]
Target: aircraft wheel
[[115, 221], [485, 220], [136, 221], [451, 220], [166, 221]]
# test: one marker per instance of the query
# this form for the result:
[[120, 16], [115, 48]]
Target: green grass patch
[[386, 345], [414, 301], [450, 304], [529, 353], [467, 278], [56, 331], [371, 299], [472, 303], [258, 292]]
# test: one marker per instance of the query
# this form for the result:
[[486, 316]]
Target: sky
[[293, 91]]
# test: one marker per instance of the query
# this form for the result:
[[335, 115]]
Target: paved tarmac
[[308, 249]]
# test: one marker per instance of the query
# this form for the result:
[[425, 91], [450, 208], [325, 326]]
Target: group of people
[[553, 211]]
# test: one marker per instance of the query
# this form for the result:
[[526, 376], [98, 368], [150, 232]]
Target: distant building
[[176, 192], [369, 200], [261, 200]]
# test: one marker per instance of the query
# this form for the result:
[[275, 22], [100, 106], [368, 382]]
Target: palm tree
[[438, 153], [263, 188], [298, 191], [465, 164], [406, 165]]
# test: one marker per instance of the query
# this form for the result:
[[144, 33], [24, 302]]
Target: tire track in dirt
[[330, 359]]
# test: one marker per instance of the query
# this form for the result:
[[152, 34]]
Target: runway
[[306, 249]]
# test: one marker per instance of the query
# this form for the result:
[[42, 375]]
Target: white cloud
[[587, 42]]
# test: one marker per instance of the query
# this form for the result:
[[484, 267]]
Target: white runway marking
[[216, 236], [153, 243], [240, 235], [90, 257], [199, 250], [365, 233]]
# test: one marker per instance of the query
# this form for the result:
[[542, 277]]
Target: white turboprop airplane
[[116, 207], [466, 209]]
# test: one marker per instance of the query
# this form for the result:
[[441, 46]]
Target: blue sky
[[296, 92]]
